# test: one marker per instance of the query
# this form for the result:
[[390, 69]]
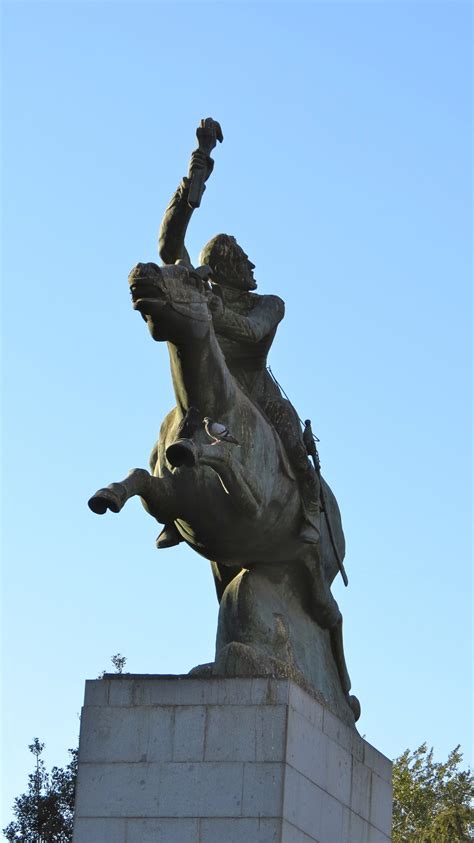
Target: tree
[[432, 802], [45, 813]]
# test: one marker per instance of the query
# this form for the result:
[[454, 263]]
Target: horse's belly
[[233, 539]]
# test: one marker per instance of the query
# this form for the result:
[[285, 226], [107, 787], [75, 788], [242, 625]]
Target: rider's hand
[[200, 161]]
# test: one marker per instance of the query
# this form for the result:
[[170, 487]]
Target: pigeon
[[218, 432]]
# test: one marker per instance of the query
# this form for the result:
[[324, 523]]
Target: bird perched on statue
[[218, 432]]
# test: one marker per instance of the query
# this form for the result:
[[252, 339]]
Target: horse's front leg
[[157, 494]]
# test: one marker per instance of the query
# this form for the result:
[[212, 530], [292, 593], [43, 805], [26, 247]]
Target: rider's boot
[[284, 418], [310, 530], [169, 537]]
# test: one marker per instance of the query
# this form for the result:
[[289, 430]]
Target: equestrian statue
[[230, 474]]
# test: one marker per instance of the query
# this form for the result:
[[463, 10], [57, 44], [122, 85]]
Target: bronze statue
[[249, 501], [244, 323]]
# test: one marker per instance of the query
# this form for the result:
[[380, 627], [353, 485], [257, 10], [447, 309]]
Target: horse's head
[[172, 299]]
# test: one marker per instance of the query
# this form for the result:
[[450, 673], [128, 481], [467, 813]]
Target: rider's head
[[229, 263]]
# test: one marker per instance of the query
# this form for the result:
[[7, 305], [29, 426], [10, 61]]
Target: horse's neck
[[200, 376]]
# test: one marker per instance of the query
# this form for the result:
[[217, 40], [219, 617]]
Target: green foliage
[[118, 662], [432, 802], [45, 813]]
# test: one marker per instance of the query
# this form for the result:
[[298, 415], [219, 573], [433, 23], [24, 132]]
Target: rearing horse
[[237, 505]]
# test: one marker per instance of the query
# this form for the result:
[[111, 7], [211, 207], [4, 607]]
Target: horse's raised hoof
[[182, 452], [113, 498]]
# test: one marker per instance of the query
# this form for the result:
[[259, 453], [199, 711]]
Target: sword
[[309, 441]]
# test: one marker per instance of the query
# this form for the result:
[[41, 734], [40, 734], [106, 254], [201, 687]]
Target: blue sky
[[345, 173]]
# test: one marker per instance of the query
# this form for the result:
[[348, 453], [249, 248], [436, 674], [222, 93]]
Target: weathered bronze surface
[[230, 473]]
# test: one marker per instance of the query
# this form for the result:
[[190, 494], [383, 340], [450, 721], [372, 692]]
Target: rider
[[245, 324]]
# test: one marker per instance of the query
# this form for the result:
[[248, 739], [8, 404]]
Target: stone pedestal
[[167, 759]]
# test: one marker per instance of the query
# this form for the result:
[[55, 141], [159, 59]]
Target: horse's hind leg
[[156, 493]]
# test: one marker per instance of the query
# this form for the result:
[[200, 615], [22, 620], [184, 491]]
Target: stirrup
[[309, 534]]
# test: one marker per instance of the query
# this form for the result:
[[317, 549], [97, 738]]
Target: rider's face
[[231, 265], [245, 269]]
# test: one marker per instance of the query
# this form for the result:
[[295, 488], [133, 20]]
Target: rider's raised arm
[[178, 213], [258, 324], [173, 226]]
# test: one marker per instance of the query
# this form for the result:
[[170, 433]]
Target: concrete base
[[167, 759]]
